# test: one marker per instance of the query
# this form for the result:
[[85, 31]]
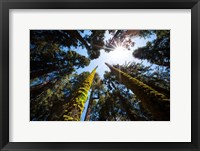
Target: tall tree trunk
[[125, 104], [157, 103], [74, 108], [39, 73], [127, 107], [61, 70], [112, 109], [38, 89], [87, 116], [43, 102], [75, 34]]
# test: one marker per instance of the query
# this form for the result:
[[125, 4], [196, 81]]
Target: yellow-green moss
[[74, 108]]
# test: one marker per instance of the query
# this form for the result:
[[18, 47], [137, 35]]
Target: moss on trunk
[[157, 103], [74, 108]]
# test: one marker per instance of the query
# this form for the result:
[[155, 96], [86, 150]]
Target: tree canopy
[[67, 85]]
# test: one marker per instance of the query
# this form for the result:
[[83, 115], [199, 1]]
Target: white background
[[176, 130]]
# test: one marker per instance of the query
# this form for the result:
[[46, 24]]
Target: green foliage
[[157, 51], [60, 62], [96, 40]]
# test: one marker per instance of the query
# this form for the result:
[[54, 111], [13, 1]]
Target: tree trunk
[[76, 35], [38, 89], [157, 103], [127, 107], [74, 108], [39, 73]]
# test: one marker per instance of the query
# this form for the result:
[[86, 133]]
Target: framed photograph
[[99, 75]]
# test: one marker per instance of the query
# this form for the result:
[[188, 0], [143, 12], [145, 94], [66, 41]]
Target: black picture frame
[[5, 5]]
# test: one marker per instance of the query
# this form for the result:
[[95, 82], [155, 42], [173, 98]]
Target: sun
[[119, 48], [118, 55]]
